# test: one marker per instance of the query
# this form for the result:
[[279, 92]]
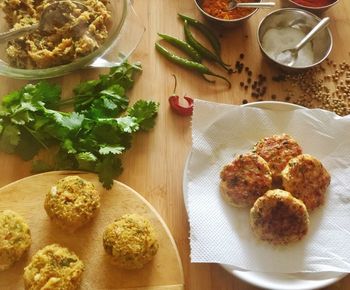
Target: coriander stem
[[36, 138]]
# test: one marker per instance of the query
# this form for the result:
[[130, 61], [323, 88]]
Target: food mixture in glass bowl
[[83, 33]]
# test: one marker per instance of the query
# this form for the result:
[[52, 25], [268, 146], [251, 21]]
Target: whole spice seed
[[326, 87], [321, 87]]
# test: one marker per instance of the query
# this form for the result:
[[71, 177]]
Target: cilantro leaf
[[86, 161], [110, 103], [91, 138], [10, 138], [105, 150], [108, 168], [43, 92], [28, 145], [145, 113]]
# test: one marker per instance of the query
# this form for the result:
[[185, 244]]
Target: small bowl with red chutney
[[316, 6], [216, 12]]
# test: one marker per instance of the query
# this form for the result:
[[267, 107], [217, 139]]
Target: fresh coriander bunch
[[91, 138]]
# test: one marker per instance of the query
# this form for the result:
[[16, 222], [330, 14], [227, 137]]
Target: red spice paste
[[314, 3], [218, 9]]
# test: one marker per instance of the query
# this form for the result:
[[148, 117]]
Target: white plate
[[276, 281]]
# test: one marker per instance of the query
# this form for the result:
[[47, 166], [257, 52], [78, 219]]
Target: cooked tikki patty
[[245, 179], [130, 241], [277, 150], [53, 267], [279, 218], [307, 179], [72, 202], [15, 238]]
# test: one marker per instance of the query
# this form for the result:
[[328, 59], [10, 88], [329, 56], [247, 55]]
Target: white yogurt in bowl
[[276, 40], [283, 29]]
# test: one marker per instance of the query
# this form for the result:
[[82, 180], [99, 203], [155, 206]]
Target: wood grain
[[154, 165], [27, 196]]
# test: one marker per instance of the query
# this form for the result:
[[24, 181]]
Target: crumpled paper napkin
[[221, 233]]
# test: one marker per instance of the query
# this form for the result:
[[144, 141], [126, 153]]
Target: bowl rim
[[55, 71], [299, 10], [313, 7], [224, 20]]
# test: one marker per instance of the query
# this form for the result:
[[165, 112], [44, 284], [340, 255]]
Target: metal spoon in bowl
[[289, 56], [53, 16], [234, 4]]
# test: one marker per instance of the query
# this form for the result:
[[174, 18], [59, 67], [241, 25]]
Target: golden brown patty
[[277, 150], [130, 241], [245, 179], [53, 267], [279, 218], [72, 202], [15, 238], [307, 179]]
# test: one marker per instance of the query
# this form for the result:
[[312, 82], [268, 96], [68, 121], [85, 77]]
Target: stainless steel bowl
[[292, 17], [223, 22], [316, 10]]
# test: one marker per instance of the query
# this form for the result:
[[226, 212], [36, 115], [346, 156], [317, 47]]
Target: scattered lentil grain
[[321, 87]]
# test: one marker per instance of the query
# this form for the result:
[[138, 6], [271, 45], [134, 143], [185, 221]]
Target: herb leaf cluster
[[92, 137]]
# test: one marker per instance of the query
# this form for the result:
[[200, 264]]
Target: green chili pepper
[[203, 51], [206, 31], [189, 64], [184, 46]]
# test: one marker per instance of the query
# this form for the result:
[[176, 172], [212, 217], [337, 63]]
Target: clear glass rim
[[14, 72]]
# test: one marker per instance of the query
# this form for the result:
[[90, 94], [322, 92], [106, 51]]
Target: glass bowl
[[125, 33]]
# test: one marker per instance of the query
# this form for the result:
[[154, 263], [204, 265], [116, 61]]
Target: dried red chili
[[313, 3], [174, 101]]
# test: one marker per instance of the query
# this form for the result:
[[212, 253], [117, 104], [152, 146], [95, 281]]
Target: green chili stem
[[221, 77], [175, 85], [208, 80], [206, 31]]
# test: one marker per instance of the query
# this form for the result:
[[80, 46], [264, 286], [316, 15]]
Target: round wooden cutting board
[[26, 197]]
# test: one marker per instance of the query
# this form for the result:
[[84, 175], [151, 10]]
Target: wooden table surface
[[154, 165]]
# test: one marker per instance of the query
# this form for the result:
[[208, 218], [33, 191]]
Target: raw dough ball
[[53, 267], [15, 238], [130, 241], [72, 202]]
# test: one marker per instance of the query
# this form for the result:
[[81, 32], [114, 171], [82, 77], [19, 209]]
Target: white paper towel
[[221, 233]]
